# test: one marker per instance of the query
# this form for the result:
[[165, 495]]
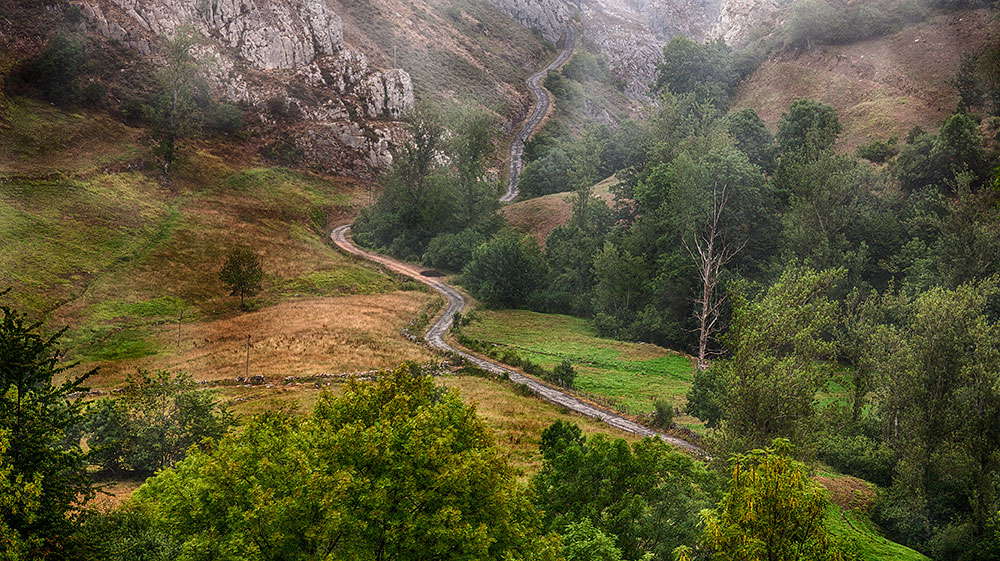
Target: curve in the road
[[456, 303], [542, 103]]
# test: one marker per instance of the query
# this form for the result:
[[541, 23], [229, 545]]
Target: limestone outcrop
[[292, 51], [738, 19]]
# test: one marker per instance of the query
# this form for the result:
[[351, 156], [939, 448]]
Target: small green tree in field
[[564, 372], [771, 512], [242, 273]]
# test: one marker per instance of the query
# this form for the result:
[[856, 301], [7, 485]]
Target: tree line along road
[[457, 301]]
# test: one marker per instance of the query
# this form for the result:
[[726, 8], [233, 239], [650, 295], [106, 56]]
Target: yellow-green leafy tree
[[771, 512], [397, 469]]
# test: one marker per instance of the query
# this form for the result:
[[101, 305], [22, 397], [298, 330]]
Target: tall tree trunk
[[711, 253]]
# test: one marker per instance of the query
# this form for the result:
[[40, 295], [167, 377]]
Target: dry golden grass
[[848, 492], [881, 87], [541, 215], [518, 420], [295, 338], [111, 494]]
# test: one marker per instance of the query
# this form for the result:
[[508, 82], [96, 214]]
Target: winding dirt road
[[542, 103], [456, 303]]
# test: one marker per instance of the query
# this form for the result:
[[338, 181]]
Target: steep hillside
[[96, 240], [457, 51], [881, 87], [632, 33]]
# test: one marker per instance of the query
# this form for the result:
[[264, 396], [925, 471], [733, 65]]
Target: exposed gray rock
[[260, 50], [739, 18], [632, 33]]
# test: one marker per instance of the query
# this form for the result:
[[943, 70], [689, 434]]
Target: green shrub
[[505, 271], [283, 153], [564, 373], [663, 416], [510, 357], [93, 94], [55, 72], [224, 118], [878, 151], [858, 455], [451, 251]]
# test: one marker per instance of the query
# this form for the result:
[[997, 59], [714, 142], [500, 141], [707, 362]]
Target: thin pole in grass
[[179, 320], [247, 373]]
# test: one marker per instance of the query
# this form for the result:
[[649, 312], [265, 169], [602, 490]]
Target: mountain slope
[[881, 87]]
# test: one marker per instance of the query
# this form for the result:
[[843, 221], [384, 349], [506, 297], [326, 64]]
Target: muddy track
[[456, 303], [542, 103]]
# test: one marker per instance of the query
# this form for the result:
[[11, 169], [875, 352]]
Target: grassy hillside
[[541, 215], [880, 87], [848, 519], [98, 240]]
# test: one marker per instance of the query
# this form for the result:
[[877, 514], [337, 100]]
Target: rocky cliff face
[[738, 19], [292, 52], [632, 33]]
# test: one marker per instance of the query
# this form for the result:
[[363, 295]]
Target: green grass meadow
[[632, 373]]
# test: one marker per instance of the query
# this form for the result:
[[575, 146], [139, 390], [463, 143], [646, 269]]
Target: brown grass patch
[[882, 87], [112, 494], [541, 215], [303, 337], [848, 492]]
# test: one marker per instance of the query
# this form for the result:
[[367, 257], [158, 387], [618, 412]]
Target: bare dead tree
[[711, 251]]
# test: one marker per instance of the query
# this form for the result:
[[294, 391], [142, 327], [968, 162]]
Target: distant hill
[[881, 87], [541, 215]]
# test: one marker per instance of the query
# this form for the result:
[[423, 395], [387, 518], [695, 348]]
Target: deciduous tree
[[771, 511], [242, 273], [395, 469]]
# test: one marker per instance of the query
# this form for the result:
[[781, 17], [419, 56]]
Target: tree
[[752, 137], [618, 289], [715, 202], [776, 343], [564, 373], [971, 91], [941, 410], [56, 70], [242, 273], [809, 127], [627, 492], [172, 111], [705, 70], [470, 147], [152, 422], [581, 541], [771, 511], [394, 469], [37, 421], [505, 271], [547, 174], [19, 499]]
